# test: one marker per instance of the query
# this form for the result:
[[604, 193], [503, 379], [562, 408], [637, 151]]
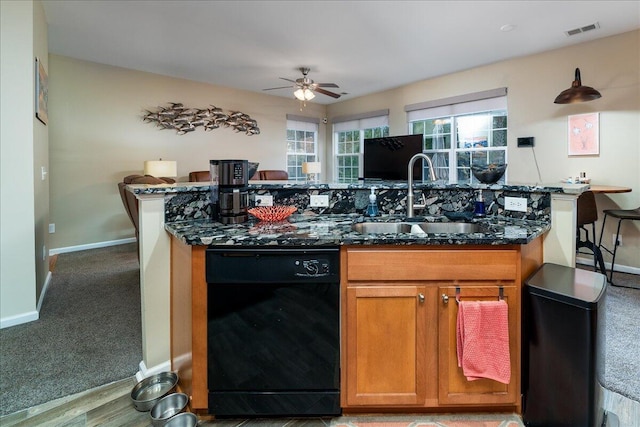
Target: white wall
[[611, 65], [17, 217]]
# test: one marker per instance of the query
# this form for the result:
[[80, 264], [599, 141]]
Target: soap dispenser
[[479, 205], [372, 208]]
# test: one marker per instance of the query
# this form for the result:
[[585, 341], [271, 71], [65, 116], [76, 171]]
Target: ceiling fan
[[305, 87]]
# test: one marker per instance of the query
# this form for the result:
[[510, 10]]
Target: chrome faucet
[[410, 205]]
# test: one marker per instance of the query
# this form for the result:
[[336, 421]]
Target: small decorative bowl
[[272, 213], [150, 390], [489, 174]]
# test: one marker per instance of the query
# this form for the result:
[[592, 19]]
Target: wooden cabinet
[[398, 349], [387, 338], [399, 333], [189, 322], [454, 388]]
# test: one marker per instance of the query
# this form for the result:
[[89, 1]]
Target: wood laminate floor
[[110, 405]]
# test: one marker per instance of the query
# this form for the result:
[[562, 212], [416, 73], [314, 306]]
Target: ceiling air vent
[[584, 29]]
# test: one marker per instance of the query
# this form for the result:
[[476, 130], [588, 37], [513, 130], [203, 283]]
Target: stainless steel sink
[[381, 227], [449, 227], [415, 227]]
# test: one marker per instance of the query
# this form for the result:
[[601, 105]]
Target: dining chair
[[620, 215], [199, 176], [587, 214], [274, 175]]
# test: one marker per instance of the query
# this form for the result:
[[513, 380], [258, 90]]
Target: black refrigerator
[[563, 348]]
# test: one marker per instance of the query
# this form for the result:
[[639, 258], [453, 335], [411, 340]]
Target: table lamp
[[161, 168], [311, 169]]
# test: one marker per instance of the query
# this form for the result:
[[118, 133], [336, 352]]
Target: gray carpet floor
[[89, 332], [622, 350]]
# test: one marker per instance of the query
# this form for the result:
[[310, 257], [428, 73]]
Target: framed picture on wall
[[42, 92], [584, 134]]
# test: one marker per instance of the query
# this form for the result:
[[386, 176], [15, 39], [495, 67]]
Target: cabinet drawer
[[437, 264]]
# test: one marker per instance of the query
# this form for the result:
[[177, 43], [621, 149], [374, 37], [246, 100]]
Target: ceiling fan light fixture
[[577, 92], [304, 94]]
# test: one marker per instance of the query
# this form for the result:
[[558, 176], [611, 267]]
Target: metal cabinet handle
[[421, 298], [445, 298]]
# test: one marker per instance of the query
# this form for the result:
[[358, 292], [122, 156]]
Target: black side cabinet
[[563, 347]]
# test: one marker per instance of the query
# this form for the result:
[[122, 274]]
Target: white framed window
[[462, 132], [302, 144], [349, 133]]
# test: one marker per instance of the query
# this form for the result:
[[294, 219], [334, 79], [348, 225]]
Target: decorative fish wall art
[[184, 120]]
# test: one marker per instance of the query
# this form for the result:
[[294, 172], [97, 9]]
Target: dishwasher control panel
[[312, 267], [232, 265]]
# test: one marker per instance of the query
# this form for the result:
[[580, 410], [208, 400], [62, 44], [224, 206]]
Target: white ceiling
[[363, 46]]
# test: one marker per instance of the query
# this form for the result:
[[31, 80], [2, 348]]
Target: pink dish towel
[[482, 335]]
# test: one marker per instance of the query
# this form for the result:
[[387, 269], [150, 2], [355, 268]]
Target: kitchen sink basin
[[415, 227], [381, 227]]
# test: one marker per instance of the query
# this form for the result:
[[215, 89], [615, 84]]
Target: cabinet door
[[453, 387], [386, 345]]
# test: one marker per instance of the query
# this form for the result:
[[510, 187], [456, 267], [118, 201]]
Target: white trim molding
[[145, 372], [92, 246], [19, 319]]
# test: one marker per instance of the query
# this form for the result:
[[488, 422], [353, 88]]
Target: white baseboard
[[620, 268], [92, 246], [145, 372], [19, 319]]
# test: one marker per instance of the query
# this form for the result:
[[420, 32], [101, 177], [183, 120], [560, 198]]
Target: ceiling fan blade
[[326, 85], [289, 80], [281, 87], [326, 92]]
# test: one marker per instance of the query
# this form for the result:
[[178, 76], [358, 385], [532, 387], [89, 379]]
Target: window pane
[[499, 122], [464, 139], [499, 138], [472, 131]]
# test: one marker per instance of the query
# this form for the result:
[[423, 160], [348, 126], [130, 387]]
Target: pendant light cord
[[537, 167]]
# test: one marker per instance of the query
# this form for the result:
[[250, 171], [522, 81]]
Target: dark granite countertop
[[323, 230], [179, 187]]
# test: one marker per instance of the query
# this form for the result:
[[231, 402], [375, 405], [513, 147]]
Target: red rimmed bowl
[[272, 213]]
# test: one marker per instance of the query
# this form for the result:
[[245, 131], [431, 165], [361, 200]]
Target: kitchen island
[[179, 225]]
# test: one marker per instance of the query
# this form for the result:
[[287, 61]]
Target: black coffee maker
[[229, 190]]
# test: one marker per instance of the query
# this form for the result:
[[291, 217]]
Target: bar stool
[[620, 215], [587, 214]]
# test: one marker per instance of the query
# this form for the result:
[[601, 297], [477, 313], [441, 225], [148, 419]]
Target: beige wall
[[24, 203], [98, 137], [611, 65]]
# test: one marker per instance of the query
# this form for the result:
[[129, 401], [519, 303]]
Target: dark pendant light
[[577, 92]]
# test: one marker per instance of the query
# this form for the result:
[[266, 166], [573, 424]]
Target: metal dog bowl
[[185, 419], [170, 405], [150, 390]]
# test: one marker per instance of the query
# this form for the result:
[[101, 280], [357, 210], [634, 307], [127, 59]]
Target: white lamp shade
[[311, 167], [161, 168], [304, 94]]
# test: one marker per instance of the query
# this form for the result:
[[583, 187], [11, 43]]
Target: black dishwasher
[[273, 331]]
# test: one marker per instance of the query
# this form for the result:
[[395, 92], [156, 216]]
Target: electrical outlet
[[319, 201], [44, 252], [515, 204], [52, 228], [613, 240], [264, 200]]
